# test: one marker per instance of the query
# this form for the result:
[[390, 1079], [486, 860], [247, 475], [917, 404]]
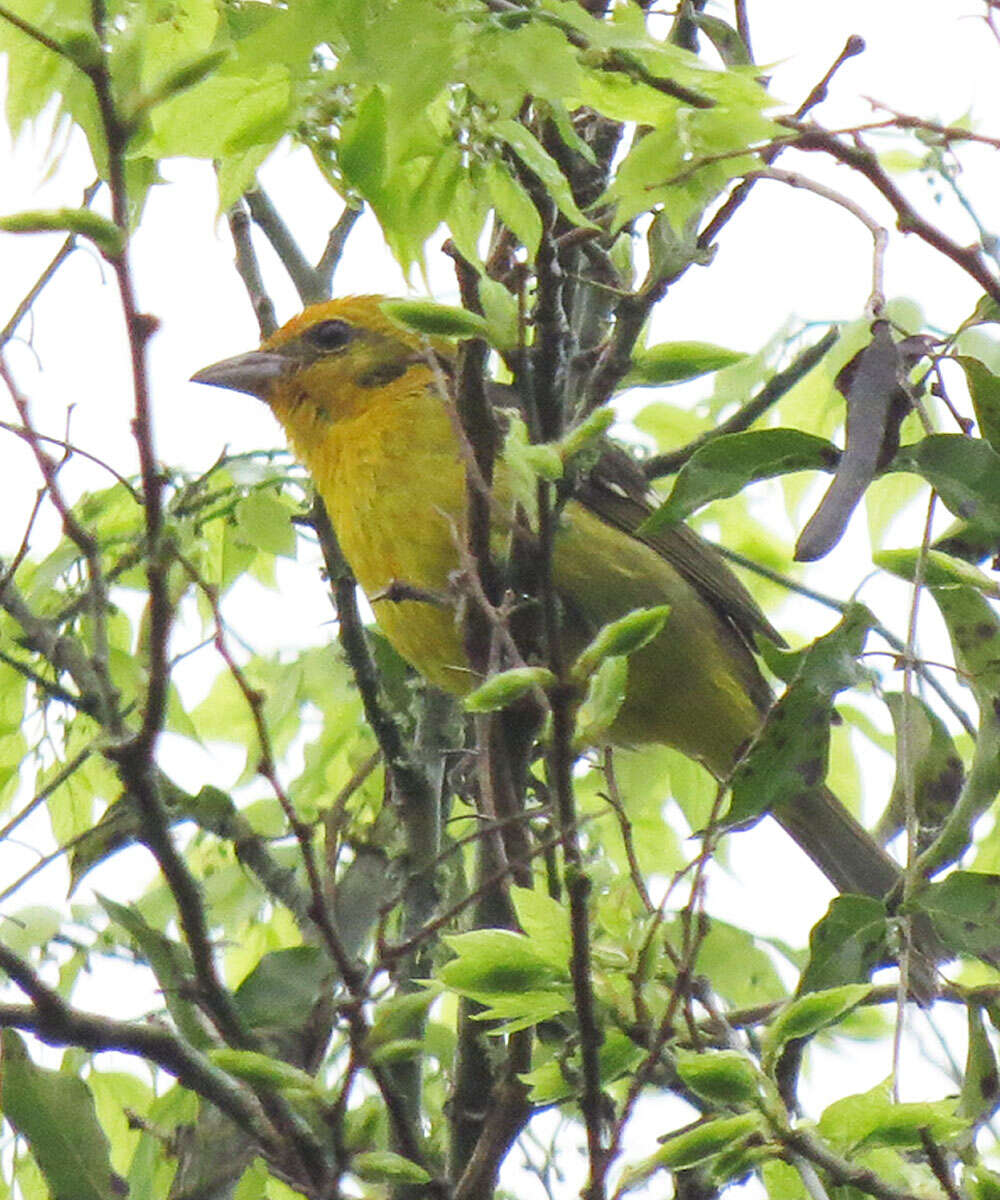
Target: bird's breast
[[394, 484]]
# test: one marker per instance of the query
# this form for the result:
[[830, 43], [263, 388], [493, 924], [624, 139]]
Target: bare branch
[[861, 159], [308, 282], [333, 251], [248, 269]]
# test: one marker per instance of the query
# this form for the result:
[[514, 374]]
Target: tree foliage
[[384, 953]]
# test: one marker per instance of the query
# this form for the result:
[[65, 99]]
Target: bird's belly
[[429, 638], [400, 519]]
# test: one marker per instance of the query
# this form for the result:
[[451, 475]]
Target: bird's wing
[[617, 491]]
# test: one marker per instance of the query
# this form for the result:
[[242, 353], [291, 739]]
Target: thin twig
[[905, 768], [28, 435], [841, 1170], [65, 772], [57, 1024], [880, 235], [60, 256], [841, 606], [861, 159], [743, 27], [8, 571], [248, 269], [333, 251], [105, 693], [625, 828], [306, 280], [736, 198], [36, 34], [939, 1165], [947, 133]]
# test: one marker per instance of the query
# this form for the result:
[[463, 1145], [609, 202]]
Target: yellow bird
[[363, 409]]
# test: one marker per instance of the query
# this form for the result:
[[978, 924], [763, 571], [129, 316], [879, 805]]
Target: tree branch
[[861, 159]]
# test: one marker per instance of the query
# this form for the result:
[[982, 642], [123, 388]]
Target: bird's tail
[[839, 845], [855, 863]]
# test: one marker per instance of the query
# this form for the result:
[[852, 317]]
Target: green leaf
[[281, 990], [974, 629], [436, 320], [401, 1017], [672, 251], [690, 155], [522, 1010], [263, 520], [965, 909], [363, 151], [846, 945], [83, 48], [965, 473], [936, 569], [542, 459], [585, 437], [500, 312], [171, 964], [260, 1070], [105, 234], [545, 921], [986, 312], [606, 691], [384, 1166], [781, 1181], [37, 77], [253, 1183], [550, 1083], [928, 767], [705, 1141], [502, 690], [491, 961], [724, 38], [900, 162], [399, 1051], [178, 80], [526, 462], [224, 116], [513, 206], [721, 1076], [620, 638], [538, 160], [508, 62], [875, 1119], [741, 970], [31, 928], [979, 1183], [980, 1092], [724, 466], [984, 390], [174, 37], [790, 753], [673, 362], [54, 1112], [809, 1014]]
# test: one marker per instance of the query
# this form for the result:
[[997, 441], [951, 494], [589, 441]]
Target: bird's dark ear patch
[[329, 335], [383, 373]]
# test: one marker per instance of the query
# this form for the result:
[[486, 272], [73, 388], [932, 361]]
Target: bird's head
[[337, 357]]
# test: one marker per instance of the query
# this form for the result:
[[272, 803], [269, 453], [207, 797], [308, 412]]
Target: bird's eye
[[330, 335]]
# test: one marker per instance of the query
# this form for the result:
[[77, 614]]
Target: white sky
[[932, 57]]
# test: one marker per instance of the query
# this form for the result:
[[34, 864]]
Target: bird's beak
[[254, 372]]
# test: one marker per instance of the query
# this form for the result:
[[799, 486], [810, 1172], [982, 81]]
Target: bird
[[364, 403]]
